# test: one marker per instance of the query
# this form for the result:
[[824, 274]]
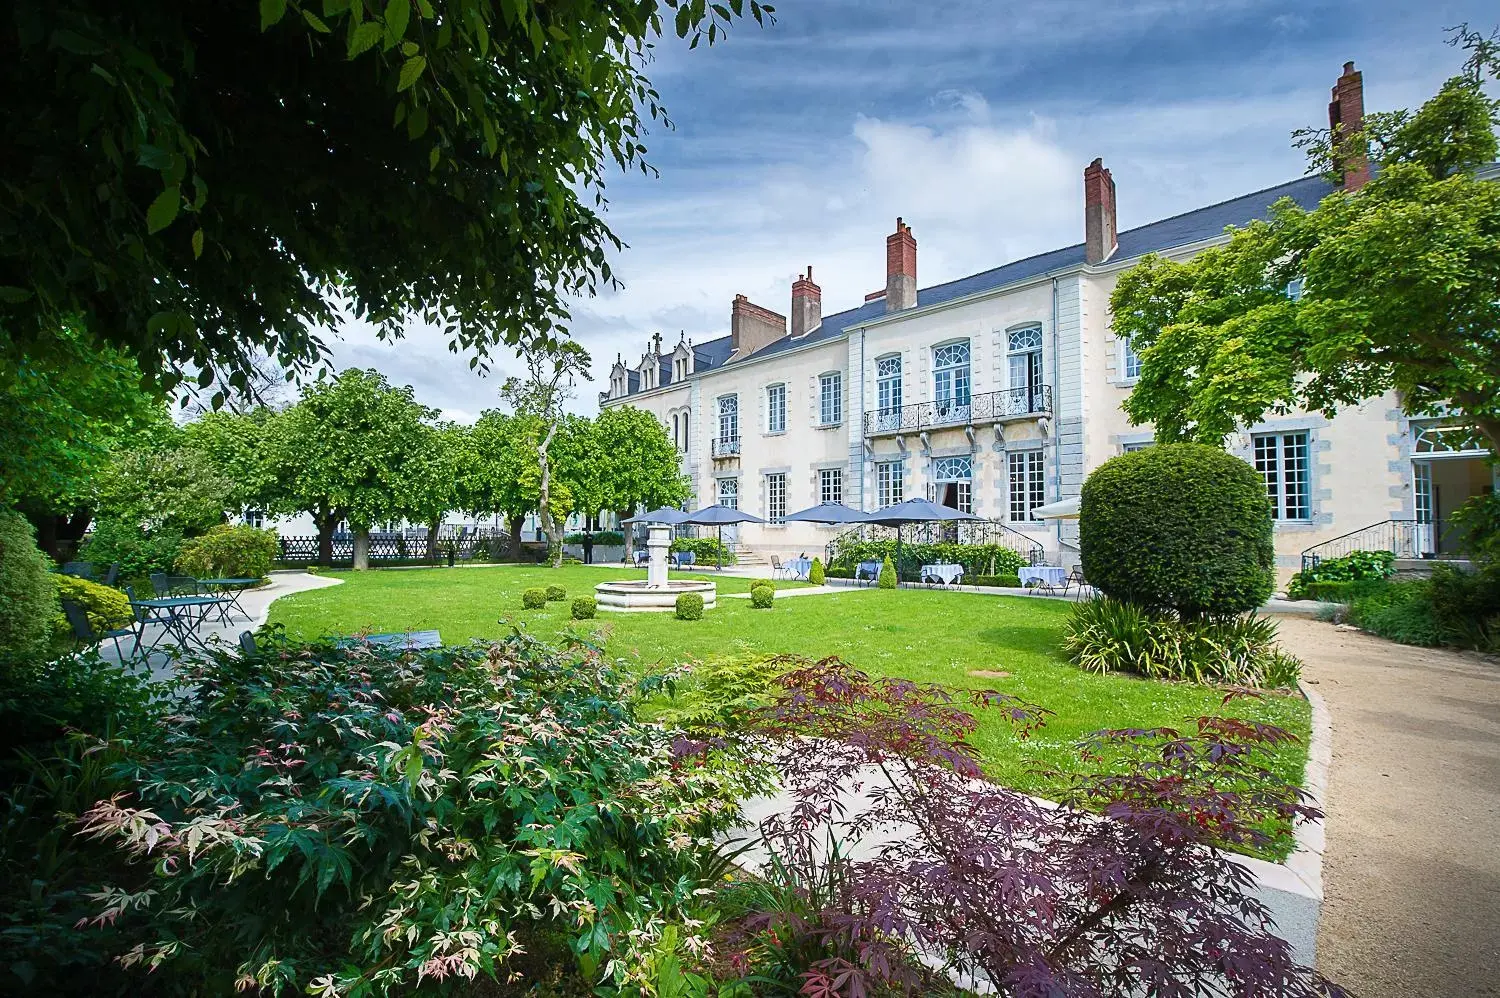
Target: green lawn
[[937, 636]]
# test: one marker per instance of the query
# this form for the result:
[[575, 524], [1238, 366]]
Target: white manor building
[[999, 392]]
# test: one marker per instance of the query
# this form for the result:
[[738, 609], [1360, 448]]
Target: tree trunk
[[361, 548], [432, 538], [628, 531], [544, 511], [326, 522], [516, 524]]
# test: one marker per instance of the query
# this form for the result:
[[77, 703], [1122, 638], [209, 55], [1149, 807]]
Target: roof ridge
[[1219, 204]]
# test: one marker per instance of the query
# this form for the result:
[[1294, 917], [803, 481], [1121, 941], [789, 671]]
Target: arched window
[[888, 384], [1025, 350], [950, 379]]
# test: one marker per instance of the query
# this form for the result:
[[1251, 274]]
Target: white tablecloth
[[800, 568], [948, 574], [1050, 574]]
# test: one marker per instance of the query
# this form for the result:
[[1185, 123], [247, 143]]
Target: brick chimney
[[900, 268], [752, 327], [1099, 239], [807, 304], [1346, 115]]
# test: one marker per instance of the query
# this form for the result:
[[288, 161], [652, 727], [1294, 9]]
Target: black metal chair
[[86, 635], [112, 574], [247, 644], [175, 585]]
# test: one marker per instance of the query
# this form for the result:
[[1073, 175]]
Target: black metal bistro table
[[231, 589], [180, 616]]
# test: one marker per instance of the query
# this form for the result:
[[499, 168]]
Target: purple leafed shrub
[[897, 857]]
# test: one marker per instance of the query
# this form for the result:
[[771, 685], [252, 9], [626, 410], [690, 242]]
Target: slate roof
[[1155, 237]]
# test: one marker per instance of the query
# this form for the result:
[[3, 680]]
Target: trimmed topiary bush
[[689, 607], [817, 576], [107, 607], [887, 574], [28, 598], [1179, 527], [584, 608], [761, 597], [556, 594], [237, 552], [534, 599]]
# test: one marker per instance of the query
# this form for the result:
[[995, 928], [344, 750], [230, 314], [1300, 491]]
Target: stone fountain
[[656, 592]]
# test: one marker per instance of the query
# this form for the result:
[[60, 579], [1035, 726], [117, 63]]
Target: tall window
[[729, 418], [888, 384], [1024, 348], [1281, 459], [888, 482], [729, 492], [254, 518], [830, 398], [1027, 488], [776, 498], [776, 409], [1136, 445], [831, 485], [1130, 361], [955, 482], [950, 378]]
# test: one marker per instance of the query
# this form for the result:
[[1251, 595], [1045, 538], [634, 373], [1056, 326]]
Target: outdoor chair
[[778, 570], [80, 569], [685, 558], [85, 635], [1075, 578], [112, 575], [174, 585], [247, 644]]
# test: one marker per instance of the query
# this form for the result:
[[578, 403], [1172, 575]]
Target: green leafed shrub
[[534, 598], [28, 597], [138, 552], [762, 597], [717, 696], [40, 700], [1358, 566], [601, 538], [1110, 635], [838, 572], [406, 815], [887, 574], [1179, 527], [816, 575], [106, 606], [977, 559], [706, 550], [689, 606], [1400, 611], [1466, 606], [229, 552], [584, 608], [998, 581], [556, 594]]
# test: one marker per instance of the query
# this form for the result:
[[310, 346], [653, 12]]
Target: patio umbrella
[[716, 516], [666, 514], [828, 512], [1063, 509], [915, 511]]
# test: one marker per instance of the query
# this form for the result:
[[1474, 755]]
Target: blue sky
[[801, 142]]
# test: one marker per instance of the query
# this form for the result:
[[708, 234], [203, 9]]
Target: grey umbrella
[[665, 514], [716, 516], [915, 511], [829, 512]]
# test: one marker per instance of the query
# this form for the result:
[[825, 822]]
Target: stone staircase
[[747, 557]]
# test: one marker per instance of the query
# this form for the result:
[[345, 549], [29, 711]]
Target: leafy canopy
[[638, 466], [201, 184], [1391, 286]]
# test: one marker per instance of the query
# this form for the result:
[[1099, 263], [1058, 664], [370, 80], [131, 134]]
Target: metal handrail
[[726, 447], [985, 407], [1402, 537]]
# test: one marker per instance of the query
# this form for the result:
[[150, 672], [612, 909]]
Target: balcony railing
[[988, 407], [723, 447]]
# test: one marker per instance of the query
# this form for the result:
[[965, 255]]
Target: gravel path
[[1412, 868]]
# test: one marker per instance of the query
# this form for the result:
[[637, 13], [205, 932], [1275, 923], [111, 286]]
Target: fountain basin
[[640, 596]]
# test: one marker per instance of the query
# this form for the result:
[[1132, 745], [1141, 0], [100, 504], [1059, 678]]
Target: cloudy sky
[[799, 144]]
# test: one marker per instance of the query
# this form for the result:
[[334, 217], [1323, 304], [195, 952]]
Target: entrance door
[[729, 495]]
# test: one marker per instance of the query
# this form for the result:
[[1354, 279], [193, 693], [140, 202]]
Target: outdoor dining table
[[231, 589], [950, 575], [1041, 575], [180, 616], [799, 568], [867, 570]]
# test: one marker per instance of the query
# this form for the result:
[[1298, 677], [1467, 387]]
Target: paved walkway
[[1412, 868]]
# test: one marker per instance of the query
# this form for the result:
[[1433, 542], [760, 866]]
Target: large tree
[[432, 473], [206, 183], [343, 452], [1391, 285], [499, 451], [638, 466]]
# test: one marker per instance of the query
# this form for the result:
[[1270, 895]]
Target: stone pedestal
[[658, 543]]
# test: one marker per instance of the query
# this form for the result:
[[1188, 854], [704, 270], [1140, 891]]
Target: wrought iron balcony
[[988, 407], [726, 447]]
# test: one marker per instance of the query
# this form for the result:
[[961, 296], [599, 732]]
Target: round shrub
[[817, 576], [761, 597], [28, 598], [689, 607], [229, 552], [107, 607], [556, 594], [534, 599], [887, 574], [1180, 527], [584, 608]]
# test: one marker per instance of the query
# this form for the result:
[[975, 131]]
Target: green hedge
[[238, 552], [1358, 566], [1181, 527], [28, 595], [977, 559], [707, 550], [998, 581], [106, 607], [601, 538], [1453, 607]]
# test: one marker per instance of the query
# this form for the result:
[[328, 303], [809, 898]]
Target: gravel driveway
[[1412, 868]]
